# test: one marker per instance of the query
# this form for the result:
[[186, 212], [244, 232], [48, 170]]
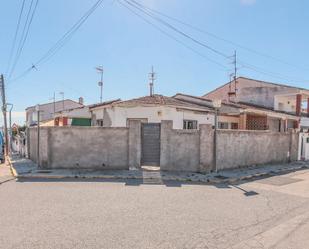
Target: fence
[[180, 150]]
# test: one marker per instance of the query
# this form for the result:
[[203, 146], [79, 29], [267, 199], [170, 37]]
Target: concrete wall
[[194, 150], [87, 147], [244, 148], [179, 148]]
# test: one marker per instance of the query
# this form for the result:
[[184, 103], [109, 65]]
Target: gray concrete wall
[[179, 148], [245, 148], [87, 147], [193, 150]]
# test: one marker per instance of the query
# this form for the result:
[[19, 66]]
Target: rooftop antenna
[[100, 83], [152, 78], [233, 78]]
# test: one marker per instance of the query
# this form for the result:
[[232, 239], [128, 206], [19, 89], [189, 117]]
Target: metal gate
[[151, 144]]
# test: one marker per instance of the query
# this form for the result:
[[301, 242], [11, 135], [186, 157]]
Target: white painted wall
[[154, 114], [304, 122]]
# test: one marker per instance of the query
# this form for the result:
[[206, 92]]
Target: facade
[[269, 96], [79, 116], [152, 109], [48, 110], [245, 116]]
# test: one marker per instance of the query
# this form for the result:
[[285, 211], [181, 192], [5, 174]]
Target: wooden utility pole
[[6, 138]]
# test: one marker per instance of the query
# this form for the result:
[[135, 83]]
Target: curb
[[13, 171]]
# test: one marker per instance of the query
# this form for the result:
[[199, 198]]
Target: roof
[[261, 81], [157, 99], [104, 103], [51, 103], [245, 105]]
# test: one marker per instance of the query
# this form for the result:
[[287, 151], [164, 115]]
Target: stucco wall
[[244, 148], [194, 150], [179, 148], [117, 116], [87, 147]]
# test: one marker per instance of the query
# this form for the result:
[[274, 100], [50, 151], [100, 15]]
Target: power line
[[24, 35], [172, 37], [61, 42], [15, 36], [247, 65], [218, 37], [177, 30]]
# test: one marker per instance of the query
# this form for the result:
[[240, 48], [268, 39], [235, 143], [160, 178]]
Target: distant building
[[49, 110], [269, 96]]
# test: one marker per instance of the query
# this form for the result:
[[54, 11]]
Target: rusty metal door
[[151, 144]]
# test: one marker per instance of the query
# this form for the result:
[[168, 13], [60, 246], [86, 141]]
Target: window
[[189, 124], [100, 122], [223, 125], [234, 126]]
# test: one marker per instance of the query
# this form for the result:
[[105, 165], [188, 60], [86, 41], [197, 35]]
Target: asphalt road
[[267, 213]]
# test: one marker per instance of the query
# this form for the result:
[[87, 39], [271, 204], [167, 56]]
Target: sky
[[271, 38]]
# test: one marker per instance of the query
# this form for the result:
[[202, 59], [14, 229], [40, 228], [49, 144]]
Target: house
[[152, 109], [48, 110], [270, 97], [79, 116], [233, 115]]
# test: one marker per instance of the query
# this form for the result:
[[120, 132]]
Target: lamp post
[[37, 108], [216, 105]]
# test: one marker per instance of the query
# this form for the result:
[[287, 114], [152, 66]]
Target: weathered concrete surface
[[193, 150], [245, 148], [179, 148], [81, 147], [135, 143], [206, 148], [83, 214]]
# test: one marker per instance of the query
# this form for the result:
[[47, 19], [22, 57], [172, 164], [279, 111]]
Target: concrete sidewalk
[[25, 168]]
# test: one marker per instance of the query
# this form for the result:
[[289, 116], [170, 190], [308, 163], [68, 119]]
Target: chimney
[[81, 100]]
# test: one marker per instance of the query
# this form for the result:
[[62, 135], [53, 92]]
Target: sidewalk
[[25, 168], [5, 173]]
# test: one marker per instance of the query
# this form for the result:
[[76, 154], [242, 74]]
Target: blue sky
[[127, 47]]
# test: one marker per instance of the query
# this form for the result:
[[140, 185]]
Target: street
[[265, 213]]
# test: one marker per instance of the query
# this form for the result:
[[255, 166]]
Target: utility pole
[[10, 127], [100, 83], [37, 108], [235, 71], [54, 102], [152, 77], [62, 94], [6, 148]]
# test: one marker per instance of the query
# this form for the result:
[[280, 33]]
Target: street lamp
[[216, 104]]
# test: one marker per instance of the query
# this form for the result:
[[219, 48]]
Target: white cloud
[[247, 2]]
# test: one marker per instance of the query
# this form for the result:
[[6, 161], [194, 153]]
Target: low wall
[[194, 150], [243, 148], [87, 147]]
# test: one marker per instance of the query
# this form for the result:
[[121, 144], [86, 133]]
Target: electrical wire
[[218, 37], [174, 38], [24, 35], [244, 64], [61, 42], [15, 36]]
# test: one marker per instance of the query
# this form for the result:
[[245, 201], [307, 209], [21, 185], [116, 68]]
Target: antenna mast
[[152, 77], [233, 78]]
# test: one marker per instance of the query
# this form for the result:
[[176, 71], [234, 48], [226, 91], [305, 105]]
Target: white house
[[152, 109], [48, 110]]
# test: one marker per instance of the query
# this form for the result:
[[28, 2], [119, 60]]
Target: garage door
[[151, 144]]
